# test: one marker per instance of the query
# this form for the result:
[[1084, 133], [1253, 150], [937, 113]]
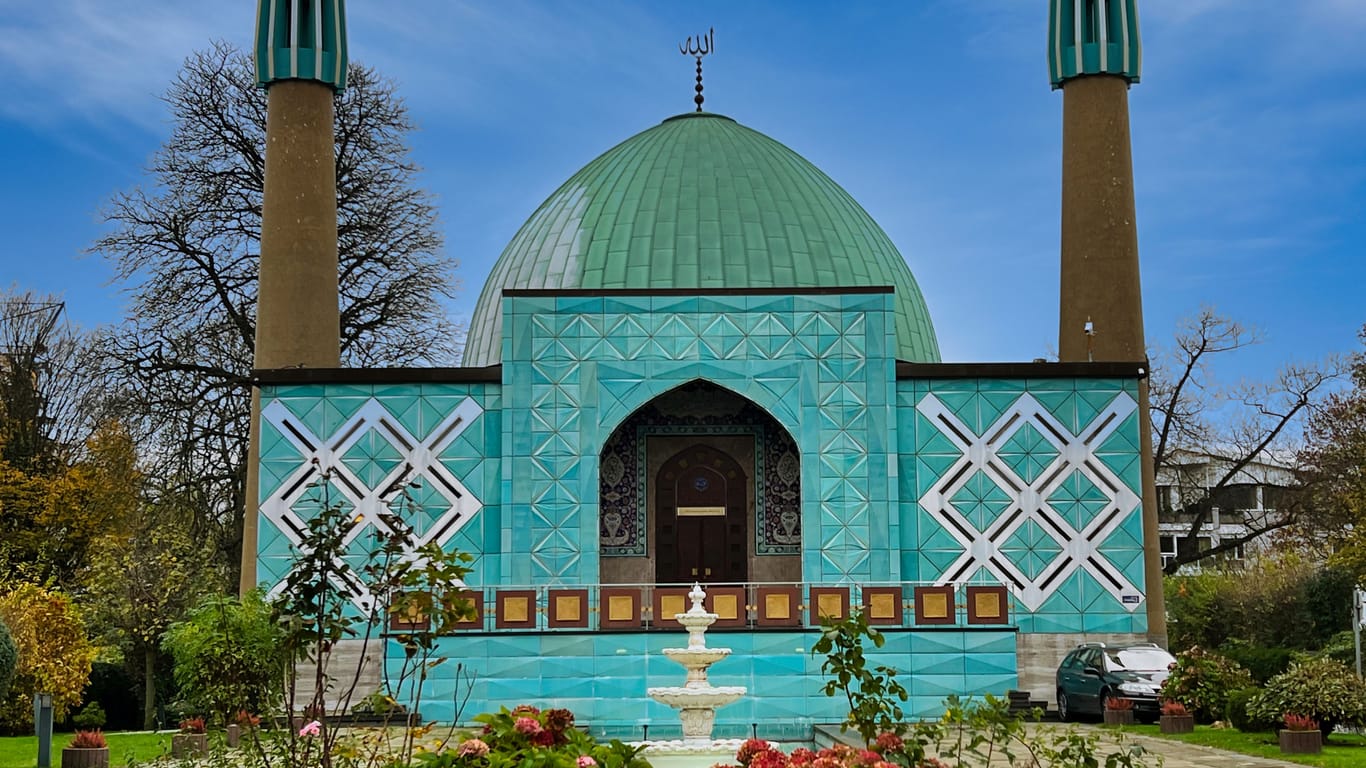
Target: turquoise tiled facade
[[706, 291], [1030, 483]]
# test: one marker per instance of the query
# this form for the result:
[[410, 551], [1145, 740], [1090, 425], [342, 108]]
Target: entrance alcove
[[699, 478]]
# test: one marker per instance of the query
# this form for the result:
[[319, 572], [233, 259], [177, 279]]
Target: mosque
[[701, 360]]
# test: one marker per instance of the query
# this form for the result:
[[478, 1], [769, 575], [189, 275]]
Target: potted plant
[[193, 739], [86, 750], [1119, 711], [1175, 718], [1301, 735]]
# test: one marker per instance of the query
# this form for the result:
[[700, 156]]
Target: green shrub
[[1323, 689], [91, 717], [1261, 662], [9, 659], [1238, 715], [1202, 680], [1340, 647], [228, 656]]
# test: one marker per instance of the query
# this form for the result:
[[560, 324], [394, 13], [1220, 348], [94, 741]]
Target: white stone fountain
[[696, 700]]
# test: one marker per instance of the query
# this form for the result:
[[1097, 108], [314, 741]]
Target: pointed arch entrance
[[699, 477]]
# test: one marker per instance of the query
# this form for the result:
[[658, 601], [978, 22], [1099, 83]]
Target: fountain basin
[[683, 697], [692, 658]]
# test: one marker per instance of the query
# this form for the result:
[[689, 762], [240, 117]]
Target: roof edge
[[1021, 370], [490, 374]]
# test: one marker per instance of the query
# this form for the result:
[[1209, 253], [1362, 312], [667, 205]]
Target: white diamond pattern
[[324, 456], [1076, 453]]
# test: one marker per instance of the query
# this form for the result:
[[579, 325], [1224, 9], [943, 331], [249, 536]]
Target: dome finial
[[704, 45]]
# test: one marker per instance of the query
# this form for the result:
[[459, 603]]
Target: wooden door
[[701, 506]]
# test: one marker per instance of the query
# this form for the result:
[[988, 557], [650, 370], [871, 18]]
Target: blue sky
[[1249, 138]]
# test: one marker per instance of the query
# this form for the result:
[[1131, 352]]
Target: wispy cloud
[[82, 62]]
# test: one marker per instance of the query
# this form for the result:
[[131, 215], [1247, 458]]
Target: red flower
[[750, 749], [769, 758], [801, 756], [543, 738], [868, 756]]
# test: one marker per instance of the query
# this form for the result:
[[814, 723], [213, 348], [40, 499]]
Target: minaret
[[301, 62], [1093, 57]]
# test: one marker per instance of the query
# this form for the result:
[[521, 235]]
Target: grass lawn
[[1342, 751], [22, 751]]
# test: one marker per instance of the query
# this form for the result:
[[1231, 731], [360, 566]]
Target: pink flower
[[802, 756], [312, 729], [585, 761], [473, 748], [889, 742], [527, 725]]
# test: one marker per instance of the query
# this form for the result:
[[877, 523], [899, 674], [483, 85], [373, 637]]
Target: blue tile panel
[[1029, 483], [353, 444], [574, 368], [603, 677]]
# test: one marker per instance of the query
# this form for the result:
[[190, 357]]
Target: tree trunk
[[149, 688]]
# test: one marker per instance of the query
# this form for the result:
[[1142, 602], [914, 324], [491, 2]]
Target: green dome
[[700, 201]]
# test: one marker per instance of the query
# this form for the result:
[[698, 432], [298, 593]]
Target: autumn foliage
[[54, 654]]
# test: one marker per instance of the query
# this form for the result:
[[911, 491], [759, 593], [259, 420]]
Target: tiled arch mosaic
[[692, 410]]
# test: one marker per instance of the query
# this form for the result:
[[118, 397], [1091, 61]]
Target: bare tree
[[186, 249], [1210, 441], [47, 390]]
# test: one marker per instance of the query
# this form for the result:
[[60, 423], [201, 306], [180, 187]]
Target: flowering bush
[[192, 725], [888, 751], [527, 737], [1202, 681]]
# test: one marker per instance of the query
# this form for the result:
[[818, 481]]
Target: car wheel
[[1104, 702], [1064, 714]]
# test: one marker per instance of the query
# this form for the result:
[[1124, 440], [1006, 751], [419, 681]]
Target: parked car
[[1093, 673]]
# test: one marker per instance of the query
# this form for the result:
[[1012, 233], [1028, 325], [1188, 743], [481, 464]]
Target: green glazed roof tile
[[700, 201]]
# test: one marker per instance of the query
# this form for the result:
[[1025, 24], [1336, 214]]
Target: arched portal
[[731, 468]]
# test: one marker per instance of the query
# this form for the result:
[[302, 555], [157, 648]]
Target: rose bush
[[527, 737]]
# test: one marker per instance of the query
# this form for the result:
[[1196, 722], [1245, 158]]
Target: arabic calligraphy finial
[[704, 45]]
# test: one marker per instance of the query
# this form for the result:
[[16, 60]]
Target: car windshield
[[1139, 659]]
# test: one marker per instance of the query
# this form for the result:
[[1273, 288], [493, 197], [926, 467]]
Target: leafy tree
[[1236, 426], [186, 248], [1335, 456], [1276, 601], [54, 654], [49, 522], [228, 656], [144, 578], [9, 659]]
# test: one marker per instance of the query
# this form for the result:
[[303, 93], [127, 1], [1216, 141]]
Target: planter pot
[[85, 757], [1177, 723], [1119, 717], [189, 745], [1301, 742], [232, 736]]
